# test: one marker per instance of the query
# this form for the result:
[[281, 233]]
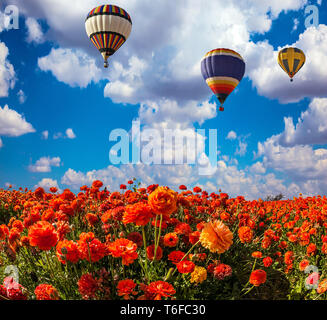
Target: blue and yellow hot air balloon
[[291, 60], [108, 27], [222, 70]]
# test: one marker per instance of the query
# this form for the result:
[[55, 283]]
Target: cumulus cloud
[[12, 123], [70, 134], [162, 63], [231, 135], [47, 183], [301, 162], [229, 178], [241, 149], [7, 72], [311, 127], [34, 31], [272, 82], [44, 164], [73, 67]]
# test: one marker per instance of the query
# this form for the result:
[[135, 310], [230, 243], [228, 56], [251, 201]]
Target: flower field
[[155, 243]]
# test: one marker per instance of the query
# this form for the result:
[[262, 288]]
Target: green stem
[[144, 244], [157, 242], [186, 254]]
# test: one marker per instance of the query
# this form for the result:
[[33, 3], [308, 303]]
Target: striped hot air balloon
[[108, 27], [291, 60], [222, 70]]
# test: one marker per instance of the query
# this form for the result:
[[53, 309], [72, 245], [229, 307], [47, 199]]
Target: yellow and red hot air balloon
[[108, 27], [291, 60], [222, 69]]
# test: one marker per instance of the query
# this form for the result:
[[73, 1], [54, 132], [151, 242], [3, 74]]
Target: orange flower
[[257, 254], [311, 249], [139, 213], [322, 286], [46, 292], [125, 249], [150, 252], [170, 240], [216, 236], [160, 289], [163, 201], [258, 277], [245, 234], [126, 288], [43, 235]]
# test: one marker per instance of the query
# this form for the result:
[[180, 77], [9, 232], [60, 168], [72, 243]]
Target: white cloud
[[272, 82], [311, 127], [73, 67], [13, 124], [44, 164], [45, 134], [301, 163], [7, 72], [34, 31], [295, 24], [231, 135], [159, 60], [70, 134], [258, 168], [21, 96], [47, 183], [241, 149]]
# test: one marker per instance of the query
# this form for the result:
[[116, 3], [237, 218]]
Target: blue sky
[[62, 105]]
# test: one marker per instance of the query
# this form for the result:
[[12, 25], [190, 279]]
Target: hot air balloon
[[108, 27], [222, 69], [291, 60]]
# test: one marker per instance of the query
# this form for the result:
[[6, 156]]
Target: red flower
[[311, 249], [87, 286], [267, 261], [197, 189], [182, 187], [126, 288], [185, 266], [194, 237], [136, 237], [150, 252], [221, 271], [183, 228], [46, 292], [43, 235], [176, 256], [161, 289], [258, 277], [68, 251], [92, 249], [97, 184]]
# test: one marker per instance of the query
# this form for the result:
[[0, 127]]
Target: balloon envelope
[[108, 27], [291, 60], [222, 70]]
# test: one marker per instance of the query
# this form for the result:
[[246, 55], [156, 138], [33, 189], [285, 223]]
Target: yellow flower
[[198, 275]]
